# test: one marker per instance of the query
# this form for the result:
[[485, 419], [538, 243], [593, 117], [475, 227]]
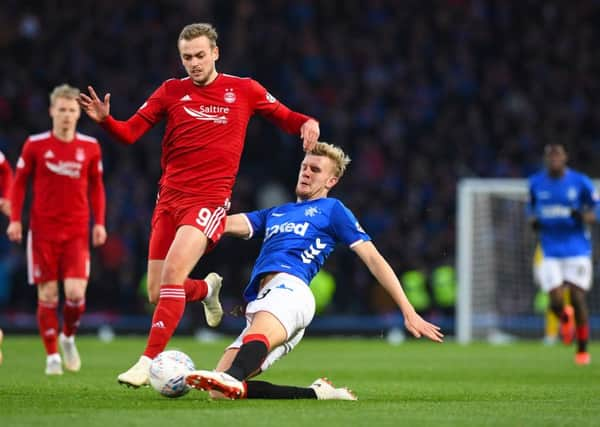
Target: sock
[[47, 318], [195, 290], [72, 311], [582, 332], [265, 390], [253, 352], [168, 313]]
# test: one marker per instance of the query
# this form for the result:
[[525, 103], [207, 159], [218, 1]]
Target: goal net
[[495, 248]]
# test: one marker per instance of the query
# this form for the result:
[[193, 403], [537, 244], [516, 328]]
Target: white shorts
[[553, 272], [290, 300]]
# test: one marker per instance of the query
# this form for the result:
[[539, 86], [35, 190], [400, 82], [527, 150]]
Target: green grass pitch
[[413, 384]]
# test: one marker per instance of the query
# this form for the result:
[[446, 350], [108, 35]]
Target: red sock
[[168, 313], [72, 311], [47, 318], [195, 289], [582, 332]]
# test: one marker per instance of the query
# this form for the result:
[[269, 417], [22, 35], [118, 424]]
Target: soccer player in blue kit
[[297, 238], [563, 202]]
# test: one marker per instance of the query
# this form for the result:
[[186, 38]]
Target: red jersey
[[63, 173], [6, 176], [206, 128]]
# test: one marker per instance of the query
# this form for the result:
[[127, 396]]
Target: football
[[167, 373]]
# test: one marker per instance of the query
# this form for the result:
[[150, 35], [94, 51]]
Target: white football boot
[[326, 391], [229, 386], [138, 375], [212, 306], [54, 365], [69, 351]]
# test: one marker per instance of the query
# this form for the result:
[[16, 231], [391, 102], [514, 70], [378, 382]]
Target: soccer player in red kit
[[66, 170], [6, 179], [206, 114]]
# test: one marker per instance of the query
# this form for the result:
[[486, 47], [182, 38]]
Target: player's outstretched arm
[[237, 226], [384, 273], [94, 107], [128, 131]]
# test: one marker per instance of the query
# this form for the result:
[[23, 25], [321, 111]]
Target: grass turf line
[[416, 383]]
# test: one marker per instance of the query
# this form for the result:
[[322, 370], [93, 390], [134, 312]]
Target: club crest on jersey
[[229, 96], [572, 193], [312, 211], [80, 155]]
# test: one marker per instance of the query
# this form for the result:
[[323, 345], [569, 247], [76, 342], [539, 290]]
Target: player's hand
[[98, 235], [309, 132], [93, 106], [5, 206], [576, 215], [585, 217], [419, 327], [15, 231]]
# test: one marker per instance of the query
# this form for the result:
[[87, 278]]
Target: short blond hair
[[63, 91], [199, 29], [335, 153]]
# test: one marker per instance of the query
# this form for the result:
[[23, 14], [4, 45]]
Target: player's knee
[[75, 298], [577, 298], [48, 297], [172, 274], [47, 293], [75, 294]]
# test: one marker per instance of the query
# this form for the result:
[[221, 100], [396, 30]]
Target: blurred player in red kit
[[6, 179], [66, 171], [207, 114]]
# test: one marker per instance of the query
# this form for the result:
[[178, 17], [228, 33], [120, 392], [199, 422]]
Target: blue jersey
[[551, 201], [298, 238]]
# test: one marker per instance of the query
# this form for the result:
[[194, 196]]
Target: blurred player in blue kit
[[562, 204], [297, 238]]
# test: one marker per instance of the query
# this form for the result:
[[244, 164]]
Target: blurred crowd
[[419, 93]]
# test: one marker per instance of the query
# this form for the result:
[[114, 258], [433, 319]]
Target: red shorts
[[57, 257], [174, 209]]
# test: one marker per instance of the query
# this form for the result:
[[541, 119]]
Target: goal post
[[494, 249]]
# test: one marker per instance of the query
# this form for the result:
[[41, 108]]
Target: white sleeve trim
[[251, 230], [356, 243]]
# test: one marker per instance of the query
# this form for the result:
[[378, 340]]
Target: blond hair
[[199, 29], [335, 153], [63, 91]]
